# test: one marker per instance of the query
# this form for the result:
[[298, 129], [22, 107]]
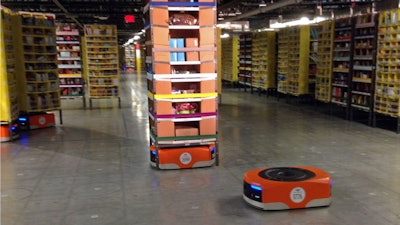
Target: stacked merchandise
[[37, 77], [101, 64], [69, 61], [182, 83], [8, 87]]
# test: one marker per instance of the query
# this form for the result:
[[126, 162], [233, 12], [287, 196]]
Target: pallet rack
[[101, 63], [182, 83], [263, 61], [245, 61], [37, 77], [230, 52], [324, 63], [387, 85], [363, 64], [69, 62], [8, 86]]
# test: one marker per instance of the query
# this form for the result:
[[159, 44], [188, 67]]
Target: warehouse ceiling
[[257, 12]]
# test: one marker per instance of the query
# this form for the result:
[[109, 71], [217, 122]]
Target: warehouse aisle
[[94, 169]]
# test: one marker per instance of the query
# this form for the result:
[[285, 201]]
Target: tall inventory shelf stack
[[387, 85], [313, 60], [263, 61], [37, 75], [283, 61], [8, 87], [230, 54], [245, 61], [130, 57], [297, 76], [182, 83], [324, 63], [69, 62], [342, 58], [364, 60], [101, 64]]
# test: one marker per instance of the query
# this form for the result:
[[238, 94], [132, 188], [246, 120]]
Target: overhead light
[[102, 17], [262, 4], [301, 21]]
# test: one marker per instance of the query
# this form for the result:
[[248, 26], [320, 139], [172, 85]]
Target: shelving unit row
[[182, 83], [336, 62]]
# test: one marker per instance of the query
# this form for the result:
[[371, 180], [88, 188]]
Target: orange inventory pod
[[287, 188], [183, 157]]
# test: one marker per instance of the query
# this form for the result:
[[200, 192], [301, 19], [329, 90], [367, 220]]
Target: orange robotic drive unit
[[280, 188], [183, 157]]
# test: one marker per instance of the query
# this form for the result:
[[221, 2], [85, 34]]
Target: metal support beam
[[263, 9]]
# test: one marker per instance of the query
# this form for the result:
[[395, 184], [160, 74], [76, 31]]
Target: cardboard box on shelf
[[186, 131]]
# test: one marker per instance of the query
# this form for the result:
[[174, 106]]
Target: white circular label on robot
[[42, 120], [297, 194], [185, 158]]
